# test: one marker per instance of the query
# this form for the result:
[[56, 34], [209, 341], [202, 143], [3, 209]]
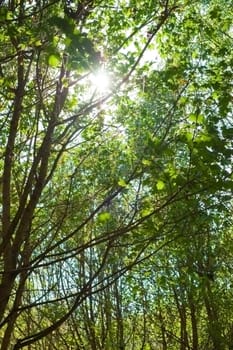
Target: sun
[[100, 81]]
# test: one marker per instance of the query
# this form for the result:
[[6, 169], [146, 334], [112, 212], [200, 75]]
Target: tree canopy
[[116, 174]]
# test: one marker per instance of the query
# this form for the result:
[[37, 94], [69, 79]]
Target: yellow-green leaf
[[38, 43], [105, 216], [160, 185], [9, 15], [196, 118], [146, 162], [54, 60], [122, 183]]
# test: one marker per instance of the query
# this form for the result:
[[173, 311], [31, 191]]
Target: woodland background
[[116, 199]]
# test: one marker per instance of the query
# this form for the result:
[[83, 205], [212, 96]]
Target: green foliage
[[116, 204]]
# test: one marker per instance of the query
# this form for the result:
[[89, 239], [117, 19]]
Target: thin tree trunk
[[213, 320], [184, 343], [195, 340]]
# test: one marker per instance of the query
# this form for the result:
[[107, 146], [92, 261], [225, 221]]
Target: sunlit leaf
[[54, 60], [160, 185], [122, 183], [103, 217]]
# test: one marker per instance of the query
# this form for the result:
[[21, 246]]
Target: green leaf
[[146, 212], [9, 16], [54, 60], [196, 118], [146, 162], [105, 216], [160, 185], [38, 43], [203, 138], [122, 183], [189, 136]]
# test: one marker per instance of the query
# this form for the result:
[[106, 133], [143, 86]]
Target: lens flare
[[100, 81]]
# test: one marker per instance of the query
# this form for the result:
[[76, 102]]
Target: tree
[[98, 184]]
